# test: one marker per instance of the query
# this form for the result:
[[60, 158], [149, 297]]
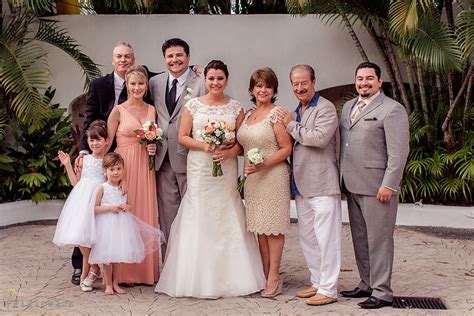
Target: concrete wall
[[245, 43]]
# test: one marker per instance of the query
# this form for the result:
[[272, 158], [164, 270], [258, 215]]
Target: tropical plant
[[24, 70], [183, 6], [28, 168], [439, 175]]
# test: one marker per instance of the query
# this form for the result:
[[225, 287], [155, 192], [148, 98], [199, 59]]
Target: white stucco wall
[[244, 42]]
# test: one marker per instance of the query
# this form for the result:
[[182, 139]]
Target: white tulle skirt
[[76, 224], [123, 238]]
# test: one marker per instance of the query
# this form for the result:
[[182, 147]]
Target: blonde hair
[[138, 71]]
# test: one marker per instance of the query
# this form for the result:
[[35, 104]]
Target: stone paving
[[35, 279]]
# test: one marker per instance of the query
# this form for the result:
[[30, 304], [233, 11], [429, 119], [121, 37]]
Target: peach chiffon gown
[[141, 192]]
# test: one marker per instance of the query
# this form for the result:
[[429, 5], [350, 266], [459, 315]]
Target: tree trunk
[[467, 103], [396, 70], [411, 82], [448, 121], [448, 4], [424, 104], [385, 61], [439, 88], [348, 25]]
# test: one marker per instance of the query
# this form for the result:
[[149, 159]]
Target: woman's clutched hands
[[220, 155], [151, 148]]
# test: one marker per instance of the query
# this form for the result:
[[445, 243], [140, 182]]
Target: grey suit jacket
[[314, 151], [374, 149], [170, 123]]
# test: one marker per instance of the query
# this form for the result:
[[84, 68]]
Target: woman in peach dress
[[139, 179]]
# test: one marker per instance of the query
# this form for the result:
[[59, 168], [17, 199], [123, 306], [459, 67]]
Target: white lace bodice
[[112, 195], [92, 168], [202, 113]]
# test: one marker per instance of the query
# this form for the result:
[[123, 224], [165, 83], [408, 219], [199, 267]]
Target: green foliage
[[29, 164], [438, 176], [433, 45], [465, 33], [24, 73], [24, 69]]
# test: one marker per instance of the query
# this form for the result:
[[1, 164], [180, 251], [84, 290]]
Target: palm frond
[[51, 33], [17, 28], [428, 187], [465, 33], [23, 74], [403, 16], [434, 46], [3, 123], [33, 5]]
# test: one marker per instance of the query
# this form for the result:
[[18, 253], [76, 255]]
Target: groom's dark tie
[[171, 99]]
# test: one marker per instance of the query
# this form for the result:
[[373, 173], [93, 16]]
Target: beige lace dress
[[267, 192]]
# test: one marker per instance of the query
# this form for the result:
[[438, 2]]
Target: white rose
[[159, 132], [229, 136], [255, 156]]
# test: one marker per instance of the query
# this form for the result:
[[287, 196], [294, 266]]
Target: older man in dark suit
[[374, 150]]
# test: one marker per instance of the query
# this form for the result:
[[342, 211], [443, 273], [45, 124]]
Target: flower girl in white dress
[[76, 225], [121, 236]]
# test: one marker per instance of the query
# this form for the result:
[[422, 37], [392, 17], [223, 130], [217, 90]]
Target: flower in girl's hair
[[149, 133], [215, 133]]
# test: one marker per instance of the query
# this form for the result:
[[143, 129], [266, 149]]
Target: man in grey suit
[[374, 149], [170, 91], [315, 184]]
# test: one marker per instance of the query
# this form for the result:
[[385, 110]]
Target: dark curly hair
[[218, 65]]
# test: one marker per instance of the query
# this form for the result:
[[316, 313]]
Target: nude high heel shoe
[[277, 291]]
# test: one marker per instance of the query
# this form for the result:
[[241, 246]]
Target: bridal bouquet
[[149, 133], [255, 156], [216, 133]]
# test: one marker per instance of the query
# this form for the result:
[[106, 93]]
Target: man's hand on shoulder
[[78, 162]]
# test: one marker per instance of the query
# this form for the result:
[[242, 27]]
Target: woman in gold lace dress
[[267, 188]]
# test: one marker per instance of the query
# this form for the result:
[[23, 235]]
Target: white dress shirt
[[118, 86]]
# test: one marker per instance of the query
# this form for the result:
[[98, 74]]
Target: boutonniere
[[189, 93]]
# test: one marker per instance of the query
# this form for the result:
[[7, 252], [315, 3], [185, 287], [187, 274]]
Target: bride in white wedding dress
[[210, 253]]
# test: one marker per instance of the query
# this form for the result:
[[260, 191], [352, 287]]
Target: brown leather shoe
[[307, 292], [320, 299]]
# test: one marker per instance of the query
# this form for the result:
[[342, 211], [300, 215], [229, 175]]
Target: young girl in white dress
[[76, 224], [121, 236]]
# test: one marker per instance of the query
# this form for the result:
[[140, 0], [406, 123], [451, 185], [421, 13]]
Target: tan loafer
[[320, 299], [307, 292]]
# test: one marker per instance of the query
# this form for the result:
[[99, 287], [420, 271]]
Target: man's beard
[[366, 94]]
